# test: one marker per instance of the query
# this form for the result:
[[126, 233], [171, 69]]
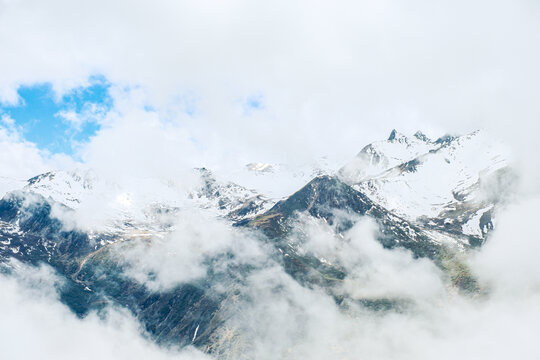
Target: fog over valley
[[284, 180]]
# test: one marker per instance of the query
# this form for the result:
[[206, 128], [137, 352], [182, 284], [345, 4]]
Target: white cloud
[[508, 261], [179, 257], [134, 142], [333, 76], [36, 325], [282, 319], [21, 159], [373, 271], [91, 112]]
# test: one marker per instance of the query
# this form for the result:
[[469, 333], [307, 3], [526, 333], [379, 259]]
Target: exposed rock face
[[434, 198]]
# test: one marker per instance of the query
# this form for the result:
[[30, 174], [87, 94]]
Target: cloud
[[279, 318], [374, 272], [330, 78], [347, 70], [507, 262], [162, 265], [19, 159], [36, 325], [90, 113], [183, 254]]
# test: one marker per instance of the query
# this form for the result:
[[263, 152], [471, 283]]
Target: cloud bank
[[220, 85], [320, 72], [36, 325]]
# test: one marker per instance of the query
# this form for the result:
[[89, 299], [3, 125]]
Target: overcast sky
[[225, 83], [154, 88]]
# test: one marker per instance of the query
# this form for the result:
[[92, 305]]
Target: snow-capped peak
[[67, 187], [421, 136], [400, 175], [102, 203], [397, 136], [380, 156]]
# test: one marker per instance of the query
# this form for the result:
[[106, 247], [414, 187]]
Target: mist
[[294, 85], [39, 326]]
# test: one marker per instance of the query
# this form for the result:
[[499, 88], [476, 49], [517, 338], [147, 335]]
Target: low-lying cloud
[[35, 325], [275, 317], [182, 255], [285, 320], [328, 79]]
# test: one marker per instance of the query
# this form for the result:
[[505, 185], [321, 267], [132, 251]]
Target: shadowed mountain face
[[339, 205], [196, 311]]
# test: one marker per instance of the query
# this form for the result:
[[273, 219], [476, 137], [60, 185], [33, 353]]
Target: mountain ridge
[[33, 229]]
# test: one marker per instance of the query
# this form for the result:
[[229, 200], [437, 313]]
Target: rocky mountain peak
[[421, 136], [396, 136]]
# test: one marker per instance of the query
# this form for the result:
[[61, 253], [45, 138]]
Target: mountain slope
[[389, 182], [447, 184]]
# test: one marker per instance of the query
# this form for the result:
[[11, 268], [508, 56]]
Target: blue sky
[[38, 114]]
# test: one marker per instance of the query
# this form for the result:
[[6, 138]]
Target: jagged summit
[[396, 136], [446, 139], [421, 136], [397, 174], [379, 156], [434, 198], [401, 178], [69, 188], [400, 137]]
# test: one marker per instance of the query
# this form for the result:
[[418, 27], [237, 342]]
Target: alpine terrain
[[123, 245]]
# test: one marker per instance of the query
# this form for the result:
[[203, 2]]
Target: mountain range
[[436, 199]]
